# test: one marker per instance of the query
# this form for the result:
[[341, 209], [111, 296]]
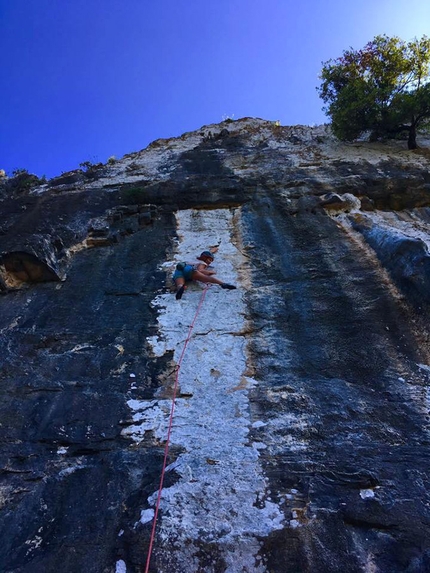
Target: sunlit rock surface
[[300, 436]]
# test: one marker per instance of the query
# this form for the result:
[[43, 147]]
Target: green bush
[[21, 182], [383, 89]]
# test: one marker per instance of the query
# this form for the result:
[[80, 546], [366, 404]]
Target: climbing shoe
[[229, 287], [180, 292]]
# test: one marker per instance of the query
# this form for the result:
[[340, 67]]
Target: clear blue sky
[[82, 80]]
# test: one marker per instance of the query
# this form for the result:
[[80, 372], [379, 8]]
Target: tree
[[383, 89]]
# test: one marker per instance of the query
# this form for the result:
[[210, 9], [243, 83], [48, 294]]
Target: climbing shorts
[[185, 272]]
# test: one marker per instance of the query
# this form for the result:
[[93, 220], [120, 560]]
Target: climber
[[197, 271]]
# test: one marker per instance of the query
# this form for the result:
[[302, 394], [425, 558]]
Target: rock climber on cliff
[[197, 271]]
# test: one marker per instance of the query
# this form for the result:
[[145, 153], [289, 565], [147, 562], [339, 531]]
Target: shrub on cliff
[[21, 182], [383, 89], [93, 170]]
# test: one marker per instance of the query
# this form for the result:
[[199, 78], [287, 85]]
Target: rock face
[[300, 435]]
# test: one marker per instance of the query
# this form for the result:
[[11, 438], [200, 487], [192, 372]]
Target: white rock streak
[[120, 567], [220, 495]]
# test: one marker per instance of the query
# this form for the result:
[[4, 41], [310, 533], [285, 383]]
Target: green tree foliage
[[21, 182], [383, 89]]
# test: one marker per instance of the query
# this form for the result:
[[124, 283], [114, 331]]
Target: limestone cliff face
[[301, 427]]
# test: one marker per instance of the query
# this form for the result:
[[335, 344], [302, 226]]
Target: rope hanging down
[[169, 430]]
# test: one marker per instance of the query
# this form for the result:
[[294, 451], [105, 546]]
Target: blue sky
[[82, 80]]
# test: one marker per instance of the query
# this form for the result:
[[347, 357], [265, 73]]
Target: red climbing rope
[[166, 448]]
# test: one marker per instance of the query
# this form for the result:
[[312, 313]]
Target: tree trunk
[[412, 139]]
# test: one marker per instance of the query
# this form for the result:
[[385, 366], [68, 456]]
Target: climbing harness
[[169, 430]]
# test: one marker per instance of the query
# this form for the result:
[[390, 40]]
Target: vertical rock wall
[[343, 390], [301, 428], [68, 478]]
